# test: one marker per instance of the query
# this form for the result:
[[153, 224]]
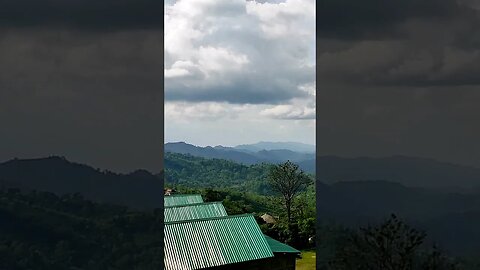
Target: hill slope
[[212, 152], [247, 155], [409, 171], [40, 230], [139, 189], [448, 218], [191, 171]]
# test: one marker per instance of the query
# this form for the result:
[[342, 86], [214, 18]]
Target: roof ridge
[[210, 218], [192, 204], [181, 195]]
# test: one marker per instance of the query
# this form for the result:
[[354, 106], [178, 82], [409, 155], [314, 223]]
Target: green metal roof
[[184, 199], [279, 247], [194, 211], [202, 243]]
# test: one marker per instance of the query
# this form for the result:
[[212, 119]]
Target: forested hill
[[139, 189], [249, 154], [191, 171], [40, 230], [408, 171]]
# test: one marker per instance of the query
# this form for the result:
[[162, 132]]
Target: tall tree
[[392, 245], [288, 180]]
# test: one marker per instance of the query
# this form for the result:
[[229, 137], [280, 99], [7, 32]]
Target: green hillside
[[197, 172], [40, 230]]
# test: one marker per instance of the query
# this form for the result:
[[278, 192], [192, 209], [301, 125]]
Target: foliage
[[287, 180], [197, 172], [392, 245], [436, 260], [237, 202], [245, 189], [40, 230]]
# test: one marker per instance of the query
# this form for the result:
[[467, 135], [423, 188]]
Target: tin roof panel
[[194, 211], [177, 200], [202, 243]]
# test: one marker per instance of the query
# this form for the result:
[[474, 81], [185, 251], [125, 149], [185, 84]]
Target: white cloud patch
[[205, 111], [240, 52], [214, 123], [176, 72], [285, 18], [237, 70], [290, 112], [297, 109]]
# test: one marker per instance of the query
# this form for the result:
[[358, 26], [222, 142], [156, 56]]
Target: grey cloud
[[249, 88], [273, 70], [399, 78], [377, 19], [431, 53], [438, 122], [82, 14], [69, 61], [93, 97]]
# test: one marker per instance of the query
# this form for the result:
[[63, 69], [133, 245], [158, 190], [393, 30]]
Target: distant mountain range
[[267, 152], [362, 201], [439, 197], [408, 171], [450, 219], [292, 146], [143, 189], [139, 189], [436, 196]]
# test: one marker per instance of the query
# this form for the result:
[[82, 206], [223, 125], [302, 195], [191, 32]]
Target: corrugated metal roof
[[194, 211], [279, 247], [203, 243], [176, 200]]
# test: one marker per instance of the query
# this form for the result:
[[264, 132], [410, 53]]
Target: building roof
[[279, 247], [184, 199], [194, 211], [202, 243]]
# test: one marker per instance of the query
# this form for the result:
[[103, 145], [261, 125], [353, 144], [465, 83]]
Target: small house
[[201, 235]]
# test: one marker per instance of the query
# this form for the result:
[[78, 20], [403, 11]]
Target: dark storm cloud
[[94, 98], [84, 14], [82, 79], [441, 123], [422, 43], [349, 19], [399, 77], [69, 61]]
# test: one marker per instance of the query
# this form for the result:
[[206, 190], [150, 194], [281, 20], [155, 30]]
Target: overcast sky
[[399, 77], [239, 71], [82, 79]]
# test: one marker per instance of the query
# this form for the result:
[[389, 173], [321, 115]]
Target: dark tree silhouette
[[392, 245]]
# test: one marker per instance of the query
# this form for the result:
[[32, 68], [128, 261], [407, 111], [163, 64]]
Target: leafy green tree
[[288, 180]]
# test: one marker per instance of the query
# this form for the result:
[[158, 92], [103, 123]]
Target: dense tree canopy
[[40, 230], [197, 172]]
